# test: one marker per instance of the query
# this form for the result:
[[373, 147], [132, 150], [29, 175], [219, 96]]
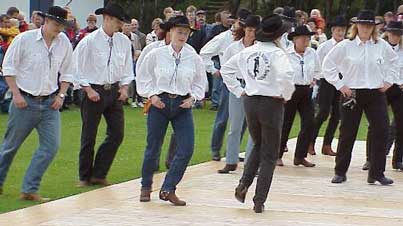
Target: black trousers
[[301, 101], [329, 102], [264, 116], [91, 112], [136, 97], [373, 103], [394, 97]]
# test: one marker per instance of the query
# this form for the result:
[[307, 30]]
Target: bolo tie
[[301, 62], [174, 75], [110, 42]]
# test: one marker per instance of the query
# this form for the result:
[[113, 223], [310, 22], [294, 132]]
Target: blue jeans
[[40, 116], [157, 123], [216, 92], [236, 120], [220, 123]]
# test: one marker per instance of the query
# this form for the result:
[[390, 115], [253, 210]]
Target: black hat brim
[[59, 20], [395, 31], [292, 35], [102, 11], [269, 37], [370, 22]]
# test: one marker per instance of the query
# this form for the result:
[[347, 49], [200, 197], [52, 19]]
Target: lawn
[[60, 179]]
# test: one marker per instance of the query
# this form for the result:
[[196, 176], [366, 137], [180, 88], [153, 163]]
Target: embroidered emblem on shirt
[[258, 65]]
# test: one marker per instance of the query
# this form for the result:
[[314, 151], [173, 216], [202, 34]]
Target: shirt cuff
[[8, 71]]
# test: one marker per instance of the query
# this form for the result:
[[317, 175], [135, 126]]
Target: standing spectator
[[91, 26], [168, 13], [320, 21], [302, 17], [13, 12], [104, 69], [202, 20], [389, 16], [153, 35], [36, 21], [141, 35], [198, 35], [319, 37], [7, 31], [22, 25], [380, 27], [27, 66]]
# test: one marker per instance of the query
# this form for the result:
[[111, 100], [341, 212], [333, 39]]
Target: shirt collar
[[334, 42], [172, 51], [104, 34], [39, 35], [292, 51], [359, 42]]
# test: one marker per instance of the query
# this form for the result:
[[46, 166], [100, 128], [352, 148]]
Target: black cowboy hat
[[395, 27], [114, 10], [177, 21], [56, 13], [289, 14], [300, 31], [365, 16], [241, 15], [252, 21], [338, 21], [271, 28]]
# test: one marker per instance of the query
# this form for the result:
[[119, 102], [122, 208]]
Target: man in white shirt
[[216, 47], [31, 68], [328, 96], [104, 69]]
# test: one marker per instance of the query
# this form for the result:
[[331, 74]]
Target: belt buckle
[[172, 96], [107, 87]]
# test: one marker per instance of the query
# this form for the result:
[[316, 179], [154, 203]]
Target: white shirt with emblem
[[306, 67], [100, 59], [35, 66], [265, 69], [163, 70], [363, 65]]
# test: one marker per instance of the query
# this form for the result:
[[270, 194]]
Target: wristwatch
[[61, 95]]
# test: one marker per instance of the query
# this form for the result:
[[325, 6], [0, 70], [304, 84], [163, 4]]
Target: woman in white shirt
[[394, 94], [268, 79], [369, 67], [155, 34], [236, 110], [306, 65], [172, 77]]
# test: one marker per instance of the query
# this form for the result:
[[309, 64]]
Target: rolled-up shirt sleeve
[[146, 77], [199, 83], [12, 59], [212, 48], [66, 68], [228, 73], [128, 77], [81, 63], [329, 66], [285, 74]]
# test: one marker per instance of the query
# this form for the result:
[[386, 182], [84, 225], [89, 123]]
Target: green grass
[[60, 179]]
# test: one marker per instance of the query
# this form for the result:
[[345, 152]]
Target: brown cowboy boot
[[172, 198], [327, 150], [311, 149], [145, 195], [228, 168]]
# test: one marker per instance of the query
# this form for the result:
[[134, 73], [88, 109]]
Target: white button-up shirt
[[306, 67], [324, 49], [100, 59], [35, 66], [265, 69], [233, 49], [399, 50], [152, 46], [215, 47], [363, 65], [163, 70]]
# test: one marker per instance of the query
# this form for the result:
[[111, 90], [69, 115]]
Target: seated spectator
[[320, 22], [152, 36]]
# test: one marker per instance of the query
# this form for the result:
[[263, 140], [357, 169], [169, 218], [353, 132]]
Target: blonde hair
[[156, 21], [191, 9], [354, 32]]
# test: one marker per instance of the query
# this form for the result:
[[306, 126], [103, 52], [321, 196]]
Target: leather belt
[[105, 86], [37, 97], [173, 96]]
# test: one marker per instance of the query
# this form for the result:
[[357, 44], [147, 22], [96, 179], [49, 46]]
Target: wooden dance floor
[[299, 196]]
